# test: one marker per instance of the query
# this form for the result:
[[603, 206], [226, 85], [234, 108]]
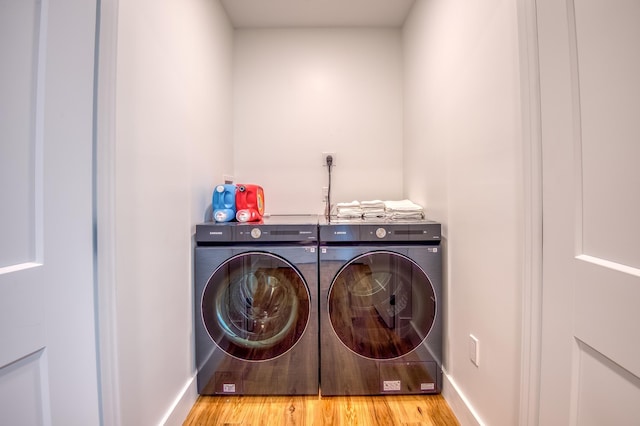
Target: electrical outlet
[[474, 350], [325, 193], [324, 158]]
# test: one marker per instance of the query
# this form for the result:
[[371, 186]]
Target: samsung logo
[[340, 233], [215, 233]]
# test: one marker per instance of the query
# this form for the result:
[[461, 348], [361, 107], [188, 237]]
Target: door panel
[[23, 398], [24, 392], [590, 94], [606, 312], [48, 371], [597, 375], [22, 63], [607, 96]]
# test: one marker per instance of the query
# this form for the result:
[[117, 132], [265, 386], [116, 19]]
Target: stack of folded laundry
[[389, 210], [374, 208], [348, 210], [405, 209]]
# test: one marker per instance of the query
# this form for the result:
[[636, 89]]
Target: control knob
[[256, 232], [381, 232]]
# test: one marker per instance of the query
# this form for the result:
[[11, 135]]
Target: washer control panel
[[281, 233], [277, 228]]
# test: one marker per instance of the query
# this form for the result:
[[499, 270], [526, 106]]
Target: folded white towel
[[373, 204], [348, 205], [347, 210], [373, 208], [370, 214], [402, 205], [349, 213], [398, 215]]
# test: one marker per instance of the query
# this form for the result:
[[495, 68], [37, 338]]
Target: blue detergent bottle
[[224, 203]]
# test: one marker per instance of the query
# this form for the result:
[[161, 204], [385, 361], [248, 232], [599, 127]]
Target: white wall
[[173, 139], [462, 161], [301, 92]]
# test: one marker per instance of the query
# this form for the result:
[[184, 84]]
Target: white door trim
[[532, 214], [104, 208]]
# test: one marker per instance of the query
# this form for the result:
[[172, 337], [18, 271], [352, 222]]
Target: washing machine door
[[381, 305], [256, 306]]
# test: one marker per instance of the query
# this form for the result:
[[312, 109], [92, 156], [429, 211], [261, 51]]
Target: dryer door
[[381, 305], [256, 306]]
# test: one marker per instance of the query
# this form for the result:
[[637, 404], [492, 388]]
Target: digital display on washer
[[381, 305], [292, 232], [256, 306]]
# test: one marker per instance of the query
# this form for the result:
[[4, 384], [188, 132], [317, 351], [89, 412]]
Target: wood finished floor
[[387, 410]]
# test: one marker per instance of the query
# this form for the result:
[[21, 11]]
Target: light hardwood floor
[[387, 410]]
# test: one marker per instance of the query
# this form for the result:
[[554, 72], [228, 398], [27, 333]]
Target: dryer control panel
[[380, 231], [400, 232]]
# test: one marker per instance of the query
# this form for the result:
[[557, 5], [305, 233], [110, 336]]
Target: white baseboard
[[459, 404], [179, 410]]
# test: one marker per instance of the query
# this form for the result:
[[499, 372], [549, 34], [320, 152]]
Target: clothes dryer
[[256, 318], [380, 307]]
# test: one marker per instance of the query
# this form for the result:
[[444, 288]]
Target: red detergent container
[[248, 215], [249, 202]]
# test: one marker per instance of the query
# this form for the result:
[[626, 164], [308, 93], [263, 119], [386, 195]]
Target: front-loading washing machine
[[256, 317], [380, 307]]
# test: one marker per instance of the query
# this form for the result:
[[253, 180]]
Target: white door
[[48, 368], [590, 94]]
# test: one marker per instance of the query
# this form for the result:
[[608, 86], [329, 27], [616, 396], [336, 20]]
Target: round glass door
[[256, 306], [381, 305]]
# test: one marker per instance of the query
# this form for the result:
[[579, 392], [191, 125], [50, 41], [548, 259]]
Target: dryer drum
[[255, 306], [381, 305]]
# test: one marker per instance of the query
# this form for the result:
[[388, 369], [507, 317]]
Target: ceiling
[[317, 13]]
